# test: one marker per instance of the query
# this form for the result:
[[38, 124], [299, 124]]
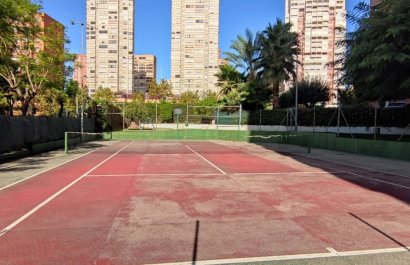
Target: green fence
[[387, 149]]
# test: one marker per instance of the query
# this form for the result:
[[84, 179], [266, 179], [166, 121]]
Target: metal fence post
[[66, 143], [375, 122]]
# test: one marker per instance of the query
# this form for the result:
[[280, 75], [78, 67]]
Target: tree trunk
[[275, 95], [24, 107], [60, 112], [10, 108]]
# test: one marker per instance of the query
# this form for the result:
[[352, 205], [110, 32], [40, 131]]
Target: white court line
[[209, 162], [379, 180], [151, 174], [32, 176], [55, 195], [39, 173], [209, 174], [355, 174], [331, 254], [347, 164]]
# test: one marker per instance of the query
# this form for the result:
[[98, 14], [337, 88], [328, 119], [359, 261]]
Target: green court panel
[[387, 149]]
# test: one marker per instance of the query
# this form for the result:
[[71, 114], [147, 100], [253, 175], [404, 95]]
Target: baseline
[[212, 174], [331, 254]]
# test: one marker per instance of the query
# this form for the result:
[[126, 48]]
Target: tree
[[209, 99], [246, 54], [138, 96], [159, 91], [136, 110], [104, 96], [259, 95], [44, 68], [228, 79], [236, 96], [310, 92], [189, 98], [377, 62], [17, 23], [278, 53]]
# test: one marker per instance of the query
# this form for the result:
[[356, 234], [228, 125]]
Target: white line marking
[[55, 195], [379, 180], [355, 174], [346, 164], [39, 173], [151, 174], [207, 174], [332, 253], [209, 162]]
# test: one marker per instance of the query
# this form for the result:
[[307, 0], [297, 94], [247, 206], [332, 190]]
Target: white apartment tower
[[194, 45], [110, 45], [318, 24]]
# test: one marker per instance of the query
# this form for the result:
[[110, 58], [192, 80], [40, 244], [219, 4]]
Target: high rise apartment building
[[80, 69], [110, 45], [194, 45], [318, 24], [145, 68]]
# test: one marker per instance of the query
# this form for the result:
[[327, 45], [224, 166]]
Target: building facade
[[194, 45], [50, 28], [80, 69], [110, 45], [144, 72], [318, 24]]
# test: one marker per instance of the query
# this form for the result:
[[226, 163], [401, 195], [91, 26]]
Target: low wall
[[387, 149], [17, 133]]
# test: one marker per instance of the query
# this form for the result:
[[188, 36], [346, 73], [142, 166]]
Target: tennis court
[[206, 202]]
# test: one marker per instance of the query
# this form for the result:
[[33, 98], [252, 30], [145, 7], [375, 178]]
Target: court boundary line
[[211, 174], [356, 166], [209, 162], [331, 254], [44, 171], [370, 178], [55, 195]]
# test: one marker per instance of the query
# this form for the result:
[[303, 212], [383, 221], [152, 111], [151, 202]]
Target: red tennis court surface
[[172, 201]]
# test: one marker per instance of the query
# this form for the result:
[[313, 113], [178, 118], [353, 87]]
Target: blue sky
[[153, 23]]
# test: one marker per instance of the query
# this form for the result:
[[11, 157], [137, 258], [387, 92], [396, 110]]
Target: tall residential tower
[[110, 45], [318, 24], [194, 45]]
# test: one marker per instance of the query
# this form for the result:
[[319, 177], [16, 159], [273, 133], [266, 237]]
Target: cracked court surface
[[186, 202]]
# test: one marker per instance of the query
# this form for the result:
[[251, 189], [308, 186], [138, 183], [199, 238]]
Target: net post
[[66, 143]]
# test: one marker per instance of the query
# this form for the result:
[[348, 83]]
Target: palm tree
[[245, 54], [278, 56], [228, 79]]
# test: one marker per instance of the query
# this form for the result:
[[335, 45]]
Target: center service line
[[209, 162], [55, 195]]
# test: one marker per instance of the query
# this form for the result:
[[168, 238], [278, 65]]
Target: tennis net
[[74, 139]]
